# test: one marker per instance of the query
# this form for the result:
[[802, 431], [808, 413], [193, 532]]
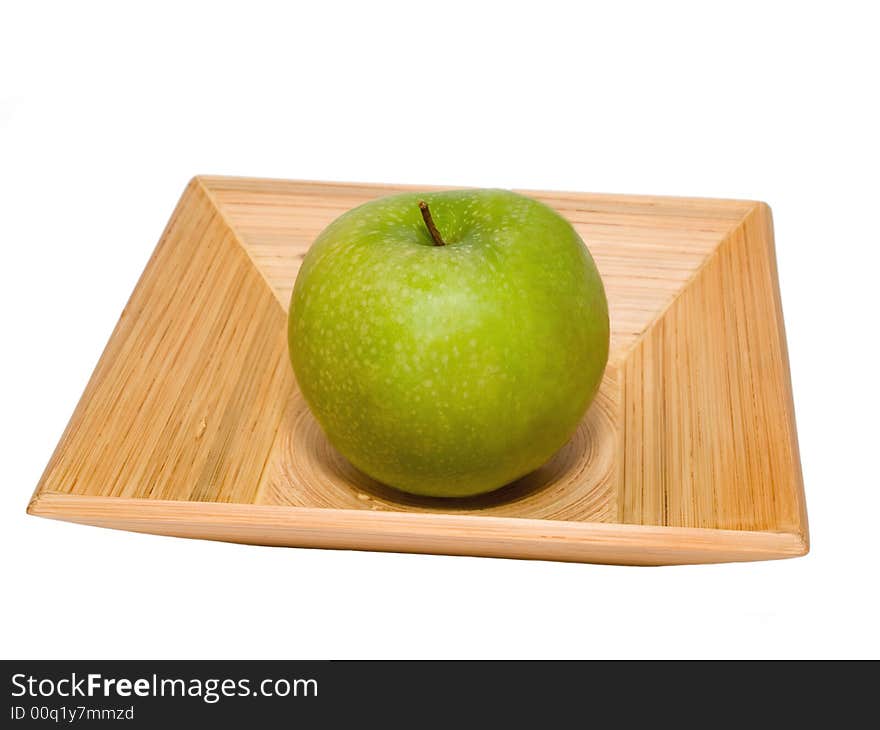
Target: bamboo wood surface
[[501, 537], [692, 434]]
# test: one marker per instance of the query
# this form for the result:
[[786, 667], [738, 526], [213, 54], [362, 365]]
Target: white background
[[106, 112]]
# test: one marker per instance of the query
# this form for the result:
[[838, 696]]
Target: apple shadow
[[578, 482], [522, 488]]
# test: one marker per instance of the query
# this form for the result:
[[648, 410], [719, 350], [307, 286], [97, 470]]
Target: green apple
[[449, 342]]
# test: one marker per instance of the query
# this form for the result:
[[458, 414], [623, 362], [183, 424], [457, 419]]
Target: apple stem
[[429, 222]]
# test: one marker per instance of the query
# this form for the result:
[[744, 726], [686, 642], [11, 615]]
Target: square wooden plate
[[192, 425]]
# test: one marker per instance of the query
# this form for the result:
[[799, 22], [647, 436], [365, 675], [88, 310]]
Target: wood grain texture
[[497, 537], [184, 402], [707, 400], [689, 453]]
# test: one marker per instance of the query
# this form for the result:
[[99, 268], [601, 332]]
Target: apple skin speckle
[[449, 370]]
